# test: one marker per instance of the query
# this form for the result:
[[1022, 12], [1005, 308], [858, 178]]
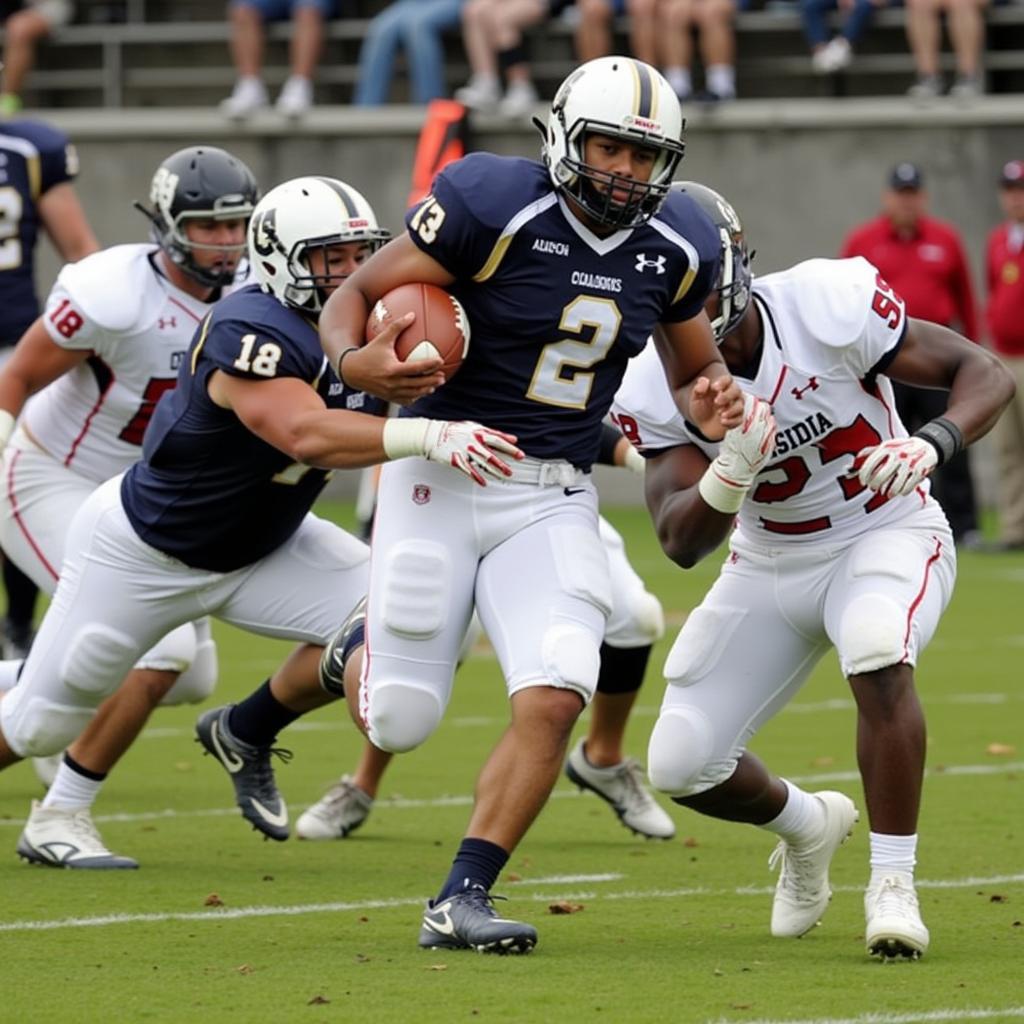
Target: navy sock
[[478, 863], [260, 717]]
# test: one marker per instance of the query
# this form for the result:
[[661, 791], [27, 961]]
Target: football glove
[[743, 452], [894, 468], [462, 444]]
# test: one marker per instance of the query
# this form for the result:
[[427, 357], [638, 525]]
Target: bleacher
[[162, 53]]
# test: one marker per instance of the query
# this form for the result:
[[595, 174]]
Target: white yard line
[[231, 913]]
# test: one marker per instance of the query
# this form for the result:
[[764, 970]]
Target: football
[[440, 328]]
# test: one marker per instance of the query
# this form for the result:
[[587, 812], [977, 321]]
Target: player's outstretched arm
[[374, 367], [692, 499], [703, 387], [980, 387], [288, 414], [35, 362]]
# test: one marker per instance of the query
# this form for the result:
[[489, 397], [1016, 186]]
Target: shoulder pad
[[493, 189], [116, 289]]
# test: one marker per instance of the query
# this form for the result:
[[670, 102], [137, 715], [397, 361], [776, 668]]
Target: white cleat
[[342, 809], [296, 97], [622, 786], [519, 101], [248, 96], [59, 837], [894, 925], [802, 891], [483, 94]]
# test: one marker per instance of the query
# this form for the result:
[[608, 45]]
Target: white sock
[[802, 818], [9, 674], [71, 790], [679, 79], [722, 80], [892, 854]]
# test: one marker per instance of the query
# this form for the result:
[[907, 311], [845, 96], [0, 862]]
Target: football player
[[564, 267], [834, 541], [597, 762], [37, 167], [87, 374], [214, 519]]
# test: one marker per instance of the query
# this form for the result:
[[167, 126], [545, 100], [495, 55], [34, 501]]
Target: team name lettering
[[603, 284], [555, 248], [801, 433]]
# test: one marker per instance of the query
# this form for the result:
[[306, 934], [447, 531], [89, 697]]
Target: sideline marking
[[294, 910]]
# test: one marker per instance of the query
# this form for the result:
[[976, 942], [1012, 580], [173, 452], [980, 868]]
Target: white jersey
[[829, 327], [137, 327]]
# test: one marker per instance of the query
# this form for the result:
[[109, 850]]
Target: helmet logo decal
[[161, 193], [642, 263], [264, 235]]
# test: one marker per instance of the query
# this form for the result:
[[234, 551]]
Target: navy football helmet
[[200, 182], [733, 285]]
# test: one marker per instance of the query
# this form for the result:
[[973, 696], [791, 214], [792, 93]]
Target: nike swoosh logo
[[443, 927], [570, 491], [280, 819], [228, 758]]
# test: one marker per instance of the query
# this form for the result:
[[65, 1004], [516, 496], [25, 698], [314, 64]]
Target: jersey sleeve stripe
[[200, 343], [508, 232]]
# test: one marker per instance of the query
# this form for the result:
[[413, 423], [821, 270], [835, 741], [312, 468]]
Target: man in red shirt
[[923, 260], [1004, 274]]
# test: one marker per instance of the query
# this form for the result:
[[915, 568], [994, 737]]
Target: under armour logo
[[812, 385], [169, 322], [642, 262]]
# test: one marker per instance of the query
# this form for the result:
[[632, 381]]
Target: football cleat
[[332, 660], [468, 920], [622, 786], [342, 809], [60, 837], [251, 774], [802, 891], [894, 925]]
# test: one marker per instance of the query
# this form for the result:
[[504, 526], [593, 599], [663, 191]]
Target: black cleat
[[468, 920], [251, 774]]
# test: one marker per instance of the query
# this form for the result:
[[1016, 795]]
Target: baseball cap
[[906, 177], [1013, 174]]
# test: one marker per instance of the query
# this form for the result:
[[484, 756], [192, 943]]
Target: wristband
[[403, 437], [722, 496], [634, 460], [6, 428], [944, 436], [341, 359]]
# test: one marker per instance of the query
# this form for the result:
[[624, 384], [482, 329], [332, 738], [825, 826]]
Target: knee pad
[[171, 653], [571, 656], [417, 583], [872, 634], [400, 716], [36, 727], [198, 681], [96, 661], [680, 750]]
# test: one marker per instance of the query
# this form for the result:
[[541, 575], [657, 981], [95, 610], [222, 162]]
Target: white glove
[[894, 468], [463, 444], [634, 461], [743, 452]]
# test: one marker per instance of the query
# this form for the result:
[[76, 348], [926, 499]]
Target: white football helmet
[[296, 217], [627, 99]]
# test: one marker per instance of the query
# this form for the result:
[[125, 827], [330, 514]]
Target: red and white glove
[[894, 468], [466, 446], [743, 452]]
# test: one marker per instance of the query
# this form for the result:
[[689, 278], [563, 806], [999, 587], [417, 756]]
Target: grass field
[[668, 932]]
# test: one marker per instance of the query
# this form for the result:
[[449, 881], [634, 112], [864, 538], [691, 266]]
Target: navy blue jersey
[[33, 158], [208, 491], [555, 311]]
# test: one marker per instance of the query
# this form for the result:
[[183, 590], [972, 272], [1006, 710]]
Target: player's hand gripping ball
[[440, 330]]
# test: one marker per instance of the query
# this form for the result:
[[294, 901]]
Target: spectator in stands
[[493, 35], [248, 20], [924, 262], [1004, 271], [415, 26], [965, 24], [661, 34], [26, 22], [829, 55]]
